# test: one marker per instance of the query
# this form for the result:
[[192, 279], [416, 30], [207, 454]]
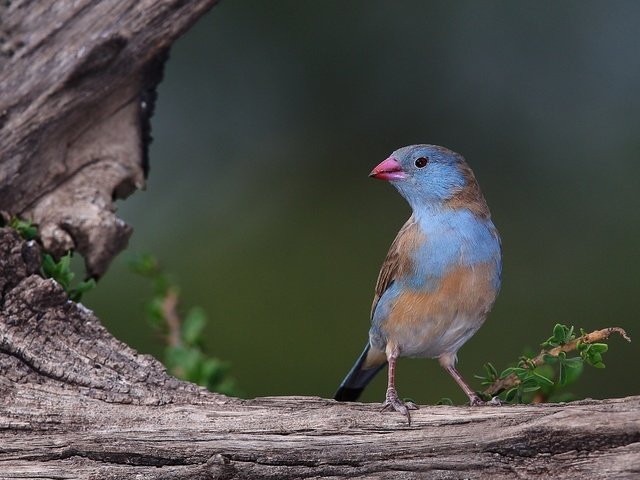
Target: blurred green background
[[272, 114]]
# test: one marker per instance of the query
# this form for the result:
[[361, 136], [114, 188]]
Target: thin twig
[[171, 317], [510, 381]]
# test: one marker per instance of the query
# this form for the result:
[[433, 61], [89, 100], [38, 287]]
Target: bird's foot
[[476, 401], [392, 402]]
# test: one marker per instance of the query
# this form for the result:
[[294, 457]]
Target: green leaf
[[594, 359], [155, 311], [542, 380], [549, 359], [574, 362], [562, 374], [75, 293], [532, 388], [510, 395], [491, 371], [506, 372], [599, 347], [24, 228], [521, 373], [60, 271], [530, 383], [193, 326], [144, 264], [575, 367], [445, 401], [213, 373], [582, 346], [560, 333]]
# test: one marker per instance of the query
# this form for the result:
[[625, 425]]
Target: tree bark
[[76, 93], [77, 82]]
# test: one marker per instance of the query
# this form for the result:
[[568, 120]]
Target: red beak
[[390, 169]]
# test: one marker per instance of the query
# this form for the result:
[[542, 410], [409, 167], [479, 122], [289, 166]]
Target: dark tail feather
[[358, 378]]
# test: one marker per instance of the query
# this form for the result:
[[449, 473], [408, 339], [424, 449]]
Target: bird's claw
[[392, 402]]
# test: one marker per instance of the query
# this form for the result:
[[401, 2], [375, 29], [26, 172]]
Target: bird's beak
[[390, 169]]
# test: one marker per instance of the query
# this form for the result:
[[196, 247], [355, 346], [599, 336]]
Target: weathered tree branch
[[76, 90]]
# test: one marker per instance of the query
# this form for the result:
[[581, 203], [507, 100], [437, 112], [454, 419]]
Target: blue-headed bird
[[441, 276]]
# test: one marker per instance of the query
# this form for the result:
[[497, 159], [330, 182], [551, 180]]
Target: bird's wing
[[397, 261]]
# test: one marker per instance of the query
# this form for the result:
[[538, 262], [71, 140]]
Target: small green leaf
[[144, 264], [599, 347], [562, 374], [212, 373], [24, 228], [521, 373], [532, 388], [510, 395], [560, 333], [60, 271], [193, 326], [506, 372], [569, 334], [574, 362], [491, 371], [530, 383], [445, 401], [575, 367], [542, 380], [75, 293], [594, 359], [155, 311]]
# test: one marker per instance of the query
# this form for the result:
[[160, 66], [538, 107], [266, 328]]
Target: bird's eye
[[421, 162]]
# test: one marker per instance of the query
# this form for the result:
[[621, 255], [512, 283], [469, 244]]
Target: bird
[[440, 278]]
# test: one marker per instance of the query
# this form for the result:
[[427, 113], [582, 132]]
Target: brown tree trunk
[[76, 92]]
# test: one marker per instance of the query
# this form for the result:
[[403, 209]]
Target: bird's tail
[[370, 362]]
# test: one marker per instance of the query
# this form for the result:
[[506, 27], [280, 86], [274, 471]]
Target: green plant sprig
[[59, 270], [24, 228], [537, 374], [184, 354]]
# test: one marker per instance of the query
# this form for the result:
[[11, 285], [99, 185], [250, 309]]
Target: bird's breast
[[443, 298], [452, 240], [428, 323]]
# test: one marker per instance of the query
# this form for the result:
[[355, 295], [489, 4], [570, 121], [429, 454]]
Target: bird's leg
[[392, 401], [448, 363]]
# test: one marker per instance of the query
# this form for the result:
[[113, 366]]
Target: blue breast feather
[[454, 238]]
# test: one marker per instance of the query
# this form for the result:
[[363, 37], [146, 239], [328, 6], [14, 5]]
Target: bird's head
[[429, 174]]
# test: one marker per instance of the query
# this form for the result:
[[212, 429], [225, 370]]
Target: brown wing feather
[[397, 261]]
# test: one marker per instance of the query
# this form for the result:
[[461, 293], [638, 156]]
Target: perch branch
[[596, 336]]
